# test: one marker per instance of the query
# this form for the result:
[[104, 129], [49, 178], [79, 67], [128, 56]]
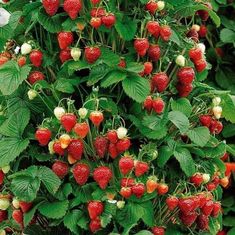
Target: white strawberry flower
[[161, 5], [76, 53], [82, 112], [180, 60], [59, 112], [4, 17], [121, 132], [217, 110], [216, 101], [26, 48]]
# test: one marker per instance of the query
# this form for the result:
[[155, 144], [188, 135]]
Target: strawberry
[[125, 192], [68, 121], [196, 179], [102, 175], [95, 225], [200, 65], [193, 34], [25, 206], [151, 184], [148, 103], [184, 90], [43, 136], [151, 6], [202, 199], [195, 54], [112, 136], [58, 149], [154, 52], [188, 219], [2, 175], [205, 120], [141, 46], [101, 146], [156, 230], [153, 27], [51, 6], [112, 151], [3, 60], [72, 7], [96, 22], [123, 145], [186, 75], [65, 55], [36, 57], [158, 105], [65, 39], [81, 173], [211, 186], [219, 52], [162, 188], [187, 205], [216, 127], [21, 61], [126, 165], [148, 68], [172, 202], [97, 12], [17, 215], [160, 81], [224, 182], [60, 168], [202, 222], [75, 149], [92, 54], [138, 190], [35, 76], [109, 20], [203, 14], [95, 2], [127, 182], [81, 129], [216, 209], [122, 63], [95, 209], [208, 207], [3, 215], [64, 141], [96, 117], [141, 168], [203, 31], [225, 157], [165, 33]]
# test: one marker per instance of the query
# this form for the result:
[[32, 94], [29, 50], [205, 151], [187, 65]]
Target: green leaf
[[199, 135], [54, 210], [71, 219], [179, 120], [185, 160], [220, 164], [77, 65], [182, 105], [229, 131], [229, 221], [228, 105], [164, 155], [144, 232], [231, 231], [97, 73], [109, 57], [109, 106], [136, 87], [113, 77], [134, 67], [12, 76], [214, 148], [64, 85], [227, 35]]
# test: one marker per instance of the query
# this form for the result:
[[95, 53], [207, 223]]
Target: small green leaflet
[[179, 120], [199, 136]]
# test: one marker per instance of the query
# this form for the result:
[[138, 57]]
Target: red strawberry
[[101, 146], [153, 27], [160, 81], [151, 184], [43, 136], [208, 207], [125, 192], [112, 136], [188, 219], [109, 20], [203, 31], [81, 129], [126, 165], [224, 182], [162, 188], [216, 209], [25, 206], [205, 120], [65, 55], [219, 52], [94, 2], [195, 54], [2, 175], [127, 182], [187, 205], [196, 179], [58, 149], [51, 6], [156, 230], [151, 6], [17, 215], [95, 225], [193, 34], [95, 209], [172, 202], [35, 76], [165, 33], [96, 22], [138, 190], [141, 46], [65, 39], [225, 157], [3, 59], [154, 52], [96, 117], [68, 121], [148, 103], [97, 12], [21, 61], [92, 54], [75, 149], [112, 151], [216, 180], [203, 14], [211, 186], [36, 58], [72, 7], [60, 168], [202, 222], [122, 63], [81, 173], [148, 68], [158, 105], [200, 65], [123, 145], [216, 127], [186, 75], [102, 175], [3, 215], [141, 168], [184, 90], [202, 199]]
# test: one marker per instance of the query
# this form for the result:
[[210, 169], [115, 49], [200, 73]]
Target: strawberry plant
[[108, 124]]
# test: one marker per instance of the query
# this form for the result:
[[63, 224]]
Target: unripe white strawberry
[[32, 94], [65, 140], [180, 60], [216, 101], [2, 232], [120, 204], [82, 112], [4, 204], [161, 5], [217, 110], [76, 54], [196, 27], [202, 47], [59, 112], [121, 132], [26, 48], [6, 169], [206, 178], [50, 147], [16, 203], [4, 17]]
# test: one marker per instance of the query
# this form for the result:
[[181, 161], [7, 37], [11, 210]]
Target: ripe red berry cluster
[[213, 125], [197, 57], [156, 104]]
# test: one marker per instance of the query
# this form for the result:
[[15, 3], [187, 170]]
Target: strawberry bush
[[108, 122]]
